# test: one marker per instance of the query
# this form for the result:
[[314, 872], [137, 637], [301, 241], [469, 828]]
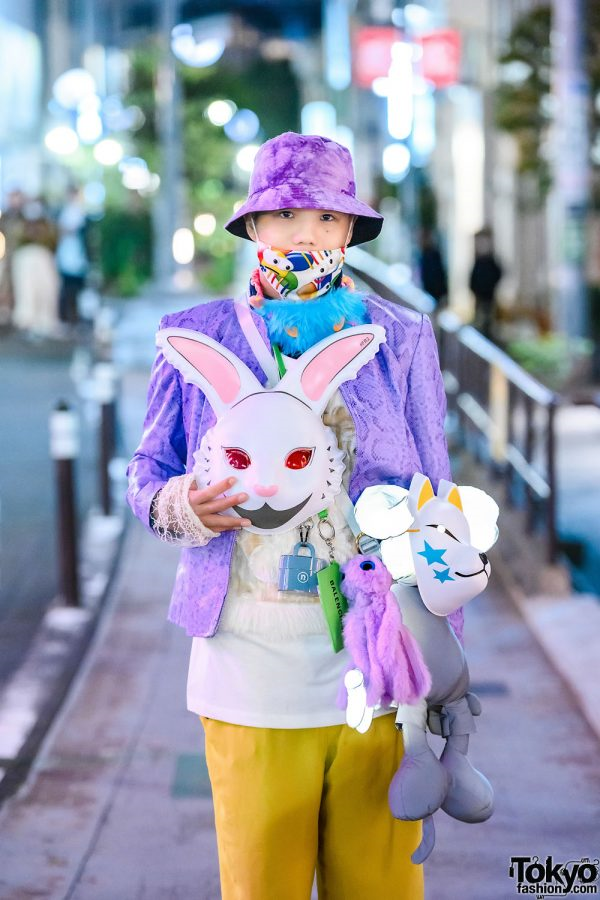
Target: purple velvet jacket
[[397, 403]]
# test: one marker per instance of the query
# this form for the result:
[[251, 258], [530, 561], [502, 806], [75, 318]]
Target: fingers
[[220, 523], [202, 508], [210, 493], [208, 504]]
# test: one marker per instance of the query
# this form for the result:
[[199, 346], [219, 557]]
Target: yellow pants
[[288, 801]]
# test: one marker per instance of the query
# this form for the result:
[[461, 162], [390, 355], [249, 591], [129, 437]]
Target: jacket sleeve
[[425, 413], [426, 406], [162, 450]]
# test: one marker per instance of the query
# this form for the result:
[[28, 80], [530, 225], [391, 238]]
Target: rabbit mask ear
[[318, 373], [223, 377]]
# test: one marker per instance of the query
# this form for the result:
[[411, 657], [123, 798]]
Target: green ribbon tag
[[333, 602]]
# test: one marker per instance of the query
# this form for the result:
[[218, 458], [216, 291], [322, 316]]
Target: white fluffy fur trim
[[279, 621]]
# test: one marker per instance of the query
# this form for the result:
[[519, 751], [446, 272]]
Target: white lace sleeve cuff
[[173, 519]]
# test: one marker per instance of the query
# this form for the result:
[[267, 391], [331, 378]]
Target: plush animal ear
[[318, 373], [217, 371], [448, 491], [420, 492]]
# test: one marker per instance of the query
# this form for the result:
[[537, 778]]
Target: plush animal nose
[[483, 558], [265, 490]]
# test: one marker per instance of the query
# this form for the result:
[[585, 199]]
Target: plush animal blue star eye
[[432, 555]]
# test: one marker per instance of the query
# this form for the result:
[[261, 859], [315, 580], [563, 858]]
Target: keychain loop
[[326, 537], [304, 530]]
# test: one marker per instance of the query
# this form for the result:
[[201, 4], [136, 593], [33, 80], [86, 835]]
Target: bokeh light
[[205, 224], [396, 162], [72, 87], [245, 157], [134, 173], [183, 246], [61, 140], [198, 54], [243, 127], [108, 152], [220, 112]]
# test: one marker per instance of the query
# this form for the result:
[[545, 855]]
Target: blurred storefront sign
[[440, 63], [373, 53]]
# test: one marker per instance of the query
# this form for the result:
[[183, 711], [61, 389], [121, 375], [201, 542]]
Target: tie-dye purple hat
[[305, 171]]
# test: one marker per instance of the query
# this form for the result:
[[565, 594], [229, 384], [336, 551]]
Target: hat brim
[[367, 226]]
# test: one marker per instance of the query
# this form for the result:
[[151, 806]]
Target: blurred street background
[[128, 130]]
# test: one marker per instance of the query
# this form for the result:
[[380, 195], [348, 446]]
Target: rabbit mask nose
[[483, 558], [265, 490]]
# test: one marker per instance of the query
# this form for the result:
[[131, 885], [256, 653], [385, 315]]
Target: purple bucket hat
[[305, 171]]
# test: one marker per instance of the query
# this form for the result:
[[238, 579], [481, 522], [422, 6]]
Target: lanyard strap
[[279, 360], [254, 338]]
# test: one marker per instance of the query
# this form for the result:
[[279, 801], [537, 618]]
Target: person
[[434, 279], [485, 276], [72, 255], [295, 790], [11, 228], [34, 276]]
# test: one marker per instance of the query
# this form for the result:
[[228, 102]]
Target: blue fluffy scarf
[[295, 325]]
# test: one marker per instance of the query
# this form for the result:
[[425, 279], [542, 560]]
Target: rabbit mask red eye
[[299, 458], [273, 440], [237, 458]]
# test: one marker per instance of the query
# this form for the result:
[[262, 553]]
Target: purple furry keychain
[[380, 645]]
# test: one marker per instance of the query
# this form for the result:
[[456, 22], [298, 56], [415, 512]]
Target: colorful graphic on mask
[[300, 275]]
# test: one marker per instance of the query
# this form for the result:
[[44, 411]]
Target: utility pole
[[570, 167]]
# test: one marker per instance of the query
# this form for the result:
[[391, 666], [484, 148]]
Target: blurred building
[[410, 87]]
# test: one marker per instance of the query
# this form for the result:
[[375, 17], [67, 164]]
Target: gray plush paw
[[418, 787], [470, 797]]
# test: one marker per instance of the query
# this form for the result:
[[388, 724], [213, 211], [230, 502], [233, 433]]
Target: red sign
[[441, 56], [373, 54]]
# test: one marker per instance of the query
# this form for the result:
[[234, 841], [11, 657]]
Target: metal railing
[[495, 408]]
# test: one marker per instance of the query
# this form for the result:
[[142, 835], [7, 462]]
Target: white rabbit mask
[[273, 440]]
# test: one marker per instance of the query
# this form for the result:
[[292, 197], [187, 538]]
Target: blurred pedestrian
[[11, 226], [432, 270], [485, 276], [294, 788], [72, 254], [34, 276]]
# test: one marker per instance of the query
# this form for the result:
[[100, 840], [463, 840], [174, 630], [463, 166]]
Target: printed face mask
[[299, 274], [272, 440]]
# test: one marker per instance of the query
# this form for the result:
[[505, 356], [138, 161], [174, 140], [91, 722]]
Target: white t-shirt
[[271, 663]]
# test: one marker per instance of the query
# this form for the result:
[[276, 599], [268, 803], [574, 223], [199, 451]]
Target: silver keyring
[[324, 537]]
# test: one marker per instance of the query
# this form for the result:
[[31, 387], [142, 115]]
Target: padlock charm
[[298, 571]]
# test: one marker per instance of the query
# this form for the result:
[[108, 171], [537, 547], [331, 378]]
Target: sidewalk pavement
[[117, 805]]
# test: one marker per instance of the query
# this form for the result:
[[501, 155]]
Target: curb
[[565, 624], [567, 628], [36, 691]]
